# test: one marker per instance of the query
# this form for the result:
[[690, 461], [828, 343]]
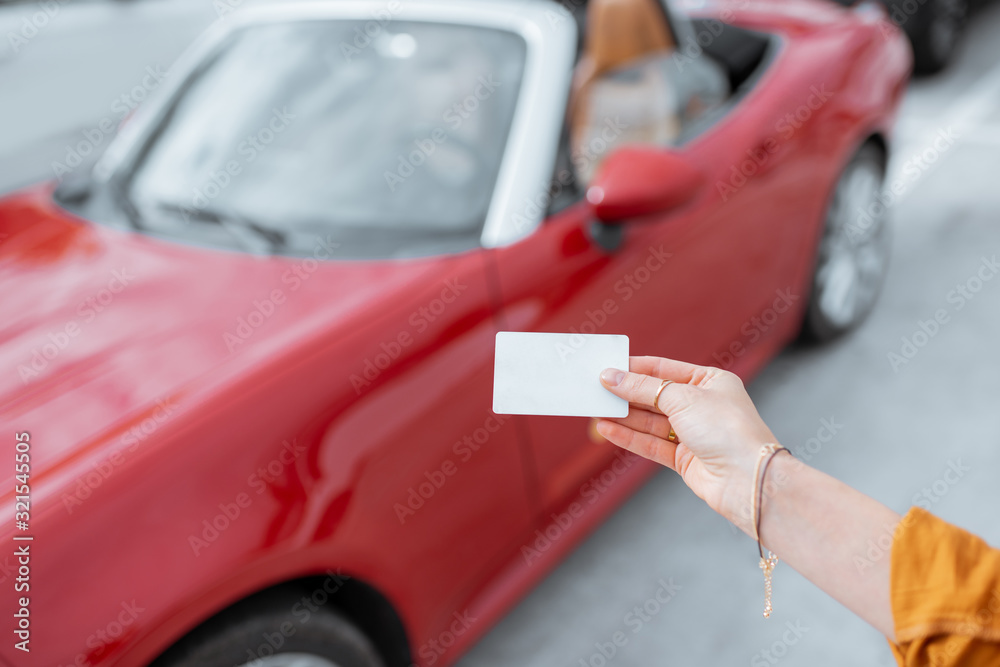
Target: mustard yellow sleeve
[[945, 594]]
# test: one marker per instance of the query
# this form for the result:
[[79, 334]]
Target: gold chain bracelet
[[767, 564]]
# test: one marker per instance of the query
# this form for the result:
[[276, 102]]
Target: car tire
[[853, 253], [937, 31], [269, 634]]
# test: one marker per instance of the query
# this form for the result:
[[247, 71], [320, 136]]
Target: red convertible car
[[248, 354]]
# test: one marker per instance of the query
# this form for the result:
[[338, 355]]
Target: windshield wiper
[[253, 236]]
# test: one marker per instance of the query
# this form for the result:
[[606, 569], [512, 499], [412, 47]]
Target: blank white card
[[557, 374]]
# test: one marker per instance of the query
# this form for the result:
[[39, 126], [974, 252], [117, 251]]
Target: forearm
[[824, 529], [814, 523]]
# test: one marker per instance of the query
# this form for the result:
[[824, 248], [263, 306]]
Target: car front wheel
[[853, 254], [275, 632]]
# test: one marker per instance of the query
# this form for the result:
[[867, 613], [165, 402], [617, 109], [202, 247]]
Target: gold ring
[[672, 437], [656, 399]]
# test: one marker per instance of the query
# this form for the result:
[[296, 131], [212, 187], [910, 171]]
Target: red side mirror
[[638, 180]]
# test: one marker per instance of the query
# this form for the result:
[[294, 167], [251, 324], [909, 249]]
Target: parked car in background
[[934, 28], [251, 350]]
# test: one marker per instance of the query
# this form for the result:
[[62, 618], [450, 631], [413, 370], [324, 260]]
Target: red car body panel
[[306, 426]]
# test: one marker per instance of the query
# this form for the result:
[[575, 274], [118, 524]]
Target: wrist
[[735, 505], [752, 488], [774, 490]]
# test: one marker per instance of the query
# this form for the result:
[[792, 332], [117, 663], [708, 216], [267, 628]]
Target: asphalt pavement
[[890, 409]]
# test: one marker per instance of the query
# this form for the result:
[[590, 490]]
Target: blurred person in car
[[628, 87]]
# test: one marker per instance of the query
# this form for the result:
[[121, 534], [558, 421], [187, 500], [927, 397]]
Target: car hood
[[100, 324]]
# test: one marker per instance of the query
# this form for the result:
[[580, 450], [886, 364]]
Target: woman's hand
[[718, 427], [816, 524]]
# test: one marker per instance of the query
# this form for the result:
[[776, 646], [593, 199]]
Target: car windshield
[[388, 143]]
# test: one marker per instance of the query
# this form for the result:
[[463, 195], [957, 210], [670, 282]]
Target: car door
[[685, 282], [447, 493]]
